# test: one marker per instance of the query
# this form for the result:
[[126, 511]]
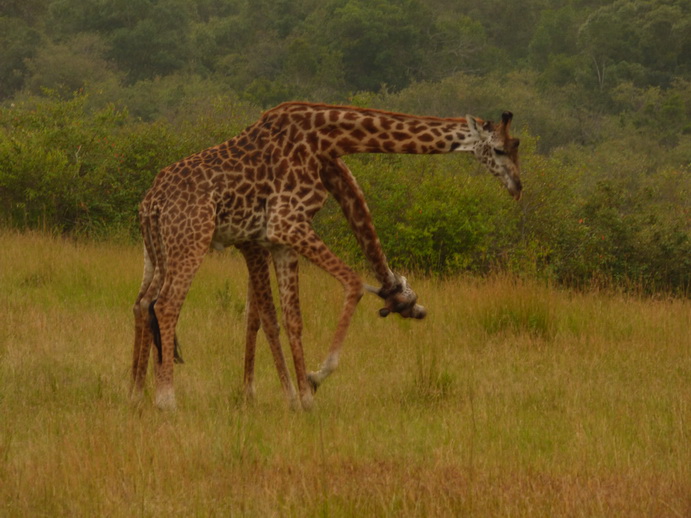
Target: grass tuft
[[518, 307]]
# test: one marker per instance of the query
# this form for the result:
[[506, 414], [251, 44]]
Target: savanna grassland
[[512, 398]]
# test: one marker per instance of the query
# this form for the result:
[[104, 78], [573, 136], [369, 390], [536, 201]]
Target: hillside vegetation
[[96, 96]]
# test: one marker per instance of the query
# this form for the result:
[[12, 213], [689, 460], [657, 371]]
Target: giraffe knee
[[142, 307], [355, 287], [138, 310]]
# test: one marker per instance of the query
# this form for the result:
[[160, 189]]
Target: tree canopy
[[279, 49]]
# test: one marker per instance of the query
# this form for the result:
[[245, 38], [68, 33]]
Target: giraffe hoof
[[383, 312], [294, 405], [307, 402], [137, 396], [249, 395], [165, 399]]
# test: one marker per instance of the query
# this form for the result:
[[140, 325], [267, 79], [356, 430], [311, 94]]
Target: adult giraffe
[[259, 191]]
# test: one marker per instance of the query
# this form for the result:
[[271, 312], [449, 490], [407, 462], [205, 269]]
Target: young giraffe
[[259, 191]]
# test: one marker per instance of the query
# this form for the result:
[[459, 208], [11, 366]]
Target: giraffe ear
[[473, 125], [479, 128]]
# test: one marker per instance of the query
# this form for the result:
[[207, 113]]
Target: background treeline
[[97, 95]]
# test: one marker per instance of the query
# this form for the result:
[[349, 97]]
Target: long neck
[[338, 131]]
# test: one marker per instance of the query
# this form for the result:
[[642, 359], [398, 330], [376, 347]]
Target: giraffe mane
[[370, 111]]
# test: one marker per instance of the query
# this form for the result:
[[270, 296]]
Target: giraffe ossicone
[[259, 192]]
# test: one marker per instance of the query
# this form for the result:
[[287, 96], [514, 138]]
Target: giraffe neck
[[340, 130]]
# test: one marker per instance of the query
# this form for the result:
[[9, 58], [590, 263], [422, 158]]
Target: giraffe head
[[400, 298], [497, 150]]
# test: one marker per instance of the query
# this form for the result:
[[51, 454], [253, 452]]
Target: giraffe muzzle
[[407, 309], [417, 311]]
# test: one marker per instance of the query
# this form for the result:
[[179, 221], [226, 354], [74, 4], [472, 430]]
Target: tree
[[29, 11], [69, 66], [639, 41], [18, 43], [380, 42], [156, 45], [555, 34], [458, 43]]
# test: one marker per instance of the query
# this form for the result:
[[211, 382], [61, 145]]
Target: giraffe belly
[[239, 227]]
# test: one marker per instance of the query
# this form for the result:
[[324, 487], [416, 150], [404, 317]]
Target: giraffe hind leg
[[156, 332], [303, 240], [252, 326], [142, 331], [177, 353], [261, 313], [286, 267], [183, 256]]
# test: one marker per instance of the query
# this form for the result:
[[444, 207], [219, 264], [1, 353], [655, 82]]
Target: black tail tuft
[[156, 331]]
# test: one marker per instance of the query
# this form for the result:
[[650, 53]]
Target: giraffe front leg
[[397, 294], [354, 290]]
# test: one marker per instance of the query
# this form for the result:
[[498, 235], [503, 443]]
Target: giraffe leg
[[142, 345], [286, 265], [261, 312], [164, 312], [398, 296], [148, 291], [252, 325], [182, 250], [305, 241]]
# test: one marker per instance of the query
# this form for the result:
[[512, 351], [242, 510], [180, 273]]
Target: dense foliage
[[97, 95]]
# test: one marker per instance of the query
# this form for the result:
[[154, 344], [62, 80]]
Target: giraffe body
[[259, 192]]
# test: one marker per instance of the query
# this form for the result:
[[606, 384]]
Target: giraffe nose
[[517, 190], [419, 312], [514, 186]]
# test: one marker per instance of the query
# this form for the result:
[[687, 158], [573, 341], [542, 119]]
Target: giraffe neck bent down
[[336, 130]]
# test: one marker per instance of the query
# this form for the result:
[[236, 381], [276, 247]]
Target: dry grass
[[511, 399]]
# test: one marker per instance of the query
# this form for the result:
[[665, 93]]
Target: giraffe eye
[[499, 152]]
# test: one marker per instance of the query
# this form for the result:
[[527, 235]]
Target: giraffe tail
[[156, 332]]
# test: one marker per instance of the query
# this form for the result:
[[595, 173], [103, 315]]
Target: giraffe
[[259, 192]]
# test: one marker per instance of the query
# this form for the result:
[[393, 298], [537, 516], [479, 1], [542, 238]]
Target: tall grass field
[[512, 398]]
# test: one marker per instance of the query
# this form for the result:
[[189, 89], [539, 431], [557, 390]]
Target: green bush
[[67, 167]]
